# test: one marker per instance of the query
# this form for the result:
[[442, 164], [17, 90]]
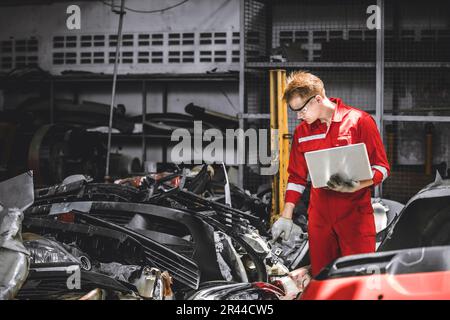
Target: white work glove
[[282, 226], [339, 184]]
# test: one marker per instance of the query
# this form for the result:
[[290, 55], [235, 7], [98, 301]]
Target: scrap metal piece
[[51, 282], [230, 262], [140, 218], [16, 194], [427, 213], [221, 290], [128, 246], [118, 271], [14, 257], [96, 294], [227, 187], [150, 284], [167, 282], [293, 251]]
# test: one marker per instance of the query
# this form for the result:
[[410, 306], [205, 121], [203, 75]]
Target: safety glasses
[[304, 105]]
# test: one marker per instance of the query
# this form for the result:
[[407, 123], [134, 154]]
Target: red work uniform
[[339, 224]]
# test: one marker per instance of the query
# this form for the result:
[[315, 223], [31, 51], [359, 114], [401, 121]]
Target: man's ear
[[319, 98]]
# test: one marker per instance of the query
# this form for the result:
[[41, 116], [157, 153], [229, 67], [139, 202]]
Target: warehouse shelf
[[159, 137], [297, 64], [169, 77], [140, 136], [412, 65], [143, 80], [349, 65]]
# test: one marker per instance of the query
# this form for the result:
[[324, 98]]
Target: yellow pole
[[273, 137], [279, 121]]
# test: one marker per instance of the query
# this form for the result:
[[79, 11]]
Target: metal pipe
[[165, 108], [380, 79], [416, 118], [113, 95], [52, 102], [429, 148], [390, 144], [144, 114], [240, 181]]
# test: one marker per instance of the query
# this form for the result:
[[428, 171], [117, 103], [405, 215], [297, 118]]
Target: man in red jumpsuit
[[340, 217]]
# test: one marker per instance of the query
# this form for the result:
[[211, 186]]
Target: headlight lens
[[44, 250]]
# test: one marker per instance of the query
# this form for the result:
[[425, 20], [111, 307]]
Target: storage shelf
[[157, 137], [179, 77], [348, 65], [287, 65]]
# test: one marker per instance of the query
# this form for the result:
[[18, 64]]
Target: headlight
[[44, 250]]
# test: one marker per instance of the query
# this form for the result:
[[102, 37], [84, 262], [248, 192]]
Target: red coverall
[[339, 224]]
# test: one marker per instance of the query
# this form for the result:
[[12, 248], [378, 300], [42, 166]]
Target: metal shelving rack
[[417, 124], [144, 80], [344, 65], [276, 21]]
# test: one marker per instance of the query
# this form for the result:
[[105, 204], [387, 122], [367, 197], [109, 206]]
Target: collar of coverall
[[339, 112]]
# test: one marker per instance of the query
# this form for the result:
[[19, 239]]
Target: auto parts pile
[[153, 241], [174, 235]]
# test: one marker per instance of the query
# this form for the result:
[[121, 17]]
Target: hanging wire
[[145, 11], [114, 84]]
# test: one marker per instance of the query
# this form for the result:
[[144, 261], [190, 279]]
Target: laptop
[[351, 162]]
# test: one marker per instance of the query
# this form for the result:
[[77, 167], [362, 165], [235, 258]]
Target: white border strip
[[383, 170], [314, 137], [295, 187]]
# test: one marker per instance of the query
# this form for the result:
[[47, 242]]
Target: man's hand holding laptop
[[339, 184]]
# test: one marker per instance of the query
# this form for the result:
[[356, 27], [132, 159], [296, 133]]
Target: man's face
[[307, 109]]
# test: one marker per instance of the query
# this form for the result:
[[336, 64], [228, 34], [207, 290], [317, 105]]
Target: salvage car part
[[50, 255], [17, 192], [51, 282], [150, 284], [86, 114], [13, 255], [96, 294], [173, 197], [198, 182], [149, 220], [44, 250], [166, 123], [195, 202], [424, 221], [225, 121], [16, 195], [114, 203], [57, 151], [295, 283], [293, 252], [241, 200], [80, 189], [175, 229], [122, 165], [188, 233], [125, 246], [51, 266], [237, 291], [420, 273]]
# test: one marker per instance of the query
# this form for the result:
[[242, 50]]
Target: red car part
[[415, 286]]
